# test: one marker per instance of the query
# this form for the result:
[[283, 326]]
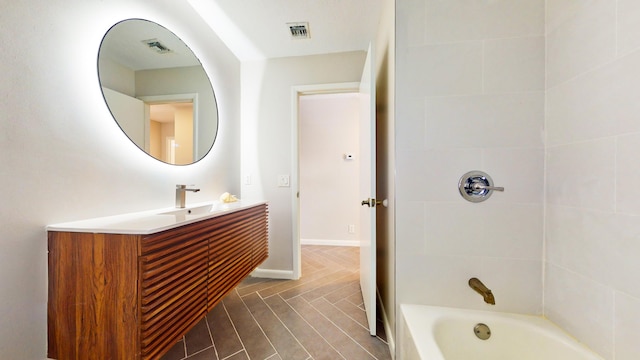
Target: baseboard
[[273, 274], [329, 242], [387, 327]]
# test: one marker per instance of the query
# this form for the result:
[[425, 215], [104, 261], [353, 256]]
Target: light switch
[[283, 180]]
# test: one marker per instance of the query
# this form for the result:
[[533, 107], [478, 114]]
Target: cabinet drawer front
[[173, 285], [235, 252]]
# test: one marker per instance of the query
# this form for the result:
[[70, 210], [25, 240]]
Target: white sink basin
[[196, 210]]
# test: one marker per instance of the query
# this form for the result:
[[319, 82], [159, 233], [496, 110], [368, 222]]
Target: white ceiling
[[256, 29], [124, 44]]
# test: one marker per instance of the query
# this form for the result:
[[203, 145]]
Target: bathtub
[[439, 333]]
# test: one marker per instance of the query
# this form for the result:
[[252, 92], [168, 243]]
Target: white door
[[129, 114], [367, 191]]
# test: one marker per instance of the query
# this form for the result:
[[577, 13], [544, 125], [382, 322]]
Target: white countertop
[[153, 221]]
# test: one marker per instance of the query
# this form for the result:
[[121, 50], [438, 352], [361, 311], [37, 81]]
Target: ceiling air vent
[[156, 46], [299, 30]]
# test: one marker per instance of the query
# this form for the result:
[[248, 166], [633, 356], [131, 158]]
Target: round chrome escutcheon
[[482, 331]]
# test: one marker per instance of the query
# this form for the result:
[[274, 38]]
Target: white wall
[[329, 184], [469, 96], [267, 130], [592, 282], [64, 158]]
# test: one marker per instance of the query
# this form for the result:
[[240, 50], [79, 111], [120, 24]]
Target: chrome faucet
[[479, 287], [181, 198]]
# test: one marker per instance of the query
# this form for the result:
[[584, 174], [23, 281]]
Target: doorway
[[329, 169], [297, 93], [366, 237]]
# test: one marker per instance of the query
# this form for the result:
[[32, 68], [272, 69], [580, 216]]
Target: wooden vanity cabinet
[[114, 296]]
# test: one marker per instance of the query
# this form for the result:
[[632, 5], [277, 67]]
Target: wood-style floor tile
[[342, 342], [223, 333], [356, 332], [318, 317], [198, 338], [285, 343], [318, 347], [255, 342]]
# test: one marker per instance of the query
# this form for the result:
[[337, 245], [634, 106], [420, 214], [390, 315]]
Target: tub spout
[[479, 287]]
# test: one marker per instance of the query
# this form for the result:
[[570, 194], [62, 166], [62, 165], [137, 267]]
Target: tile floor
[[320, 316]]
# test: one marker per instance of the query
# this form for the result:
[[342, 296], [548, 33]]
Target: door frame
[[296, 92], [173, 98]]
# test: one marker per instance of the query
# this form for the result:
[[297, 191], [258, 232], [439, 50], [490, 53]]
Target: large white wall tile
[[436, 280], [581, 306], [516, 284], [432, 175], [626, 254], [484, 121], [410, 225], [628, 26], [448, 69], [580, 39], [443, 281], [627, 325], [514, 64], [415, 23], [482, 229], [582, 241], [452, 230], [512, 230], [626, 75], [599, 103], [451, 21], [519, 170], [580, 109], [410, 125], [582, 175], [628, 174], [440, 281]]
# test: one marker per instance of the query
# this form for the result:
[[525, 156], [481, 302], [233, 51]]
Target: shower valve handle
[[479, 186]]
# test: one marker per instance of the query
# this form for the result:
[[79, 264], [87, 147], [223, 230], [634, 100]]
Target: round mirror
[[157, 91]]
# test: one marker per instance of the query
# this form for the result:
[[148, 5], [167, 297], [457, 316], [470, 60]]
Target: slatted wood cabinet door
[[114, 296]]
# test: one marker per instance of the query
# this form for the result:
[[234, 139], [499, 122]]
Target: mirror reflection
[[157, 91]]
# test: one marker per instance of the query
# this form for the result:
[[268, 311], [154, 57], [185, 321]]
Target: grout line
[[340, 328], [234, 328], [215, 349], [311, 326], [283, 324], [259, 326], [199, 351], [236, 353], [347, 315]]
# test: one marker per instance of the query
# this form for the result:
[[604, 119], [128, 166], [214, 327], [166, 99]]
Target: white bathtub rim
[[428, 317]]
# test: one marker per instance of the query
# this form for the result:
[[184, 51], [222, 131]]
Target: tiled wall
[[592, 282], [470, 96]]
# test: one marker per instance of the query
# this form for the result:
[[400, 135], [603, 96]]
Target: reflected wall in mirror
[[158, 91]]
